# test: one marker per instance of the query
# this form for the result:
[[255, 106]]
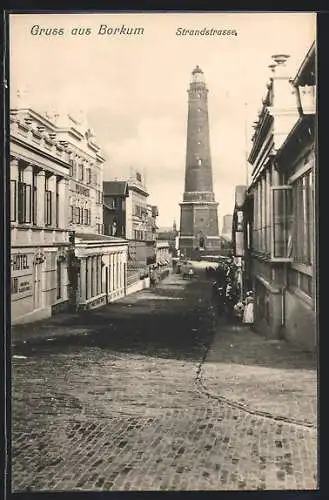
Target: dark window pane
[[13, 201]]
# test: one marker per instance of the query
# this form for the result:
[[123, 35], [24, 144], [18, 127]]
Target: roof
[[92, 237], [306, 72], [115, 188], [197, 69]]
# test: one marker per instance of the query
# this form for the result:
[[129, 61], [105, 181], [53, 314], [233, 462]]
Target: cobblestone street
[[132, 402]]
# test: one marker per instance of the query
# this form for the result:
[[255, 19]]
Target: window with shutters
[[57, 203], [48, 211], [71, 214], [303, 216], [282, 223], [71, 162], [77, 215], [86, 216], [74, 170], [34, 198], [81, 173], [13, 201], [24, 203]]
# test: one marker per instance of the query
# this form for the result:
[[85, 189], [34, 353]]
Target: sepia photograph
[[162, 180]]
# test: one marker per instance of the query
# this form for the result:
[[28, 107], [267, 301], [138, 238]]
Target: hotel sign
[[21, 263], [22, 286], [21, 275]]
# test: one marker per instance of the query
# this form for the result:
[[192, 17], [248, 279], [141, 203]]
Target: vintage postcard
[[163, 186]]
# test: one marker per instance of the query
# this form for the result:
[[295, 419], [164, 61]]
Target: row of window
[[303, 281], [282, 221], [24, 204], [94, 285], [303, 210], [139, 235], [140, 210], [83, 174], [99, 197], [79, 215], [262, 214]]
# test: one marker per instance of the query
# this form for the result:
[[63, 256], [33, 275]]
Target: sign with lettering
[[21, 264], [82, 190], [21, 286]]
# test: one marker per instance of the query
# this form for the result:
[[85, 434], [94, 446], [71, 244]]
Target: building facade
[[56, 211], [86, 173], [39, 187], [115, 194], [170, 235], [227, 226], [127, 214], [199, 215], [279, 209], [101, 271]]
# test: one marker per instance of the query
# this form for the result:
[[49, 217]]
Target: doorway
[[107, 284], [37, 300]]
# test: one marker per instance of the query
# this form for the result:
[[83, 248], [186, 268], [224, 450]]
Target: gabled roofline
[[310, 54]]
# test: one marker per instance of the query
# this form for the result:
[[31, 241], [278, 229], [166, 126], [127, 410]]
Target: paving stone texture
[[157, 393]]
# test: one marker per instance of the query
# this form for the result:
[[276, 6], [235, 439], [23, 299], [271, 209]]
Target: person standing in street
[[248, 314]]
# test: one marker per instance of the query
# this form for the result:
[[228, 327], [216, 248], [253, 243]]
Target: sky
[[133, 88]]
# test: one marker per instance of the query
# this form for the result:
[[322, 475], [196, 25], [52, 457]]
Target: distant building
[[127, 214], [163, 256], [169, 234], [115, 194], [227, 226], [279, 209]]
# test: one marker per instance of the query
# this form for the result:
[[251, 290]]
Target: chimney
[[240, 195], [280, 66], [284, 108]]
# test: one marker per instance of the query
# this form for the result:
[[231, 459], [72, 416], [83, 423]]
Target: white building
[[39, 171], [59, 259], [86, 172], [102, 269]]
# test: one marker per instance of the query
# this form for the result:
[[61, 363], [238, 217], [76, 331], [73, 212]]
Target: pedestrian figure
[[248, 315], [153, 278], [239, 311], [230, 299], [190, 273]]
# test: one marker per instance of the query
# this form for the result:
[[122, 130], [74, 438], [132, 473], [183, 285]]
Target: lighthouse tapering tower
[[199, 218]]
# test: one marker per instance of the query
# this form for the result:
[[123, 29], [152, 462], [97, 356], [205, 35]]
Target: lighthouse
[[199, 211]]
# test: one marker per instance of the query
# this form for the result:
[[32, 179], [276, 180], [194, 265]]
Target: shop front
[[102, 270], [39, 283]]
